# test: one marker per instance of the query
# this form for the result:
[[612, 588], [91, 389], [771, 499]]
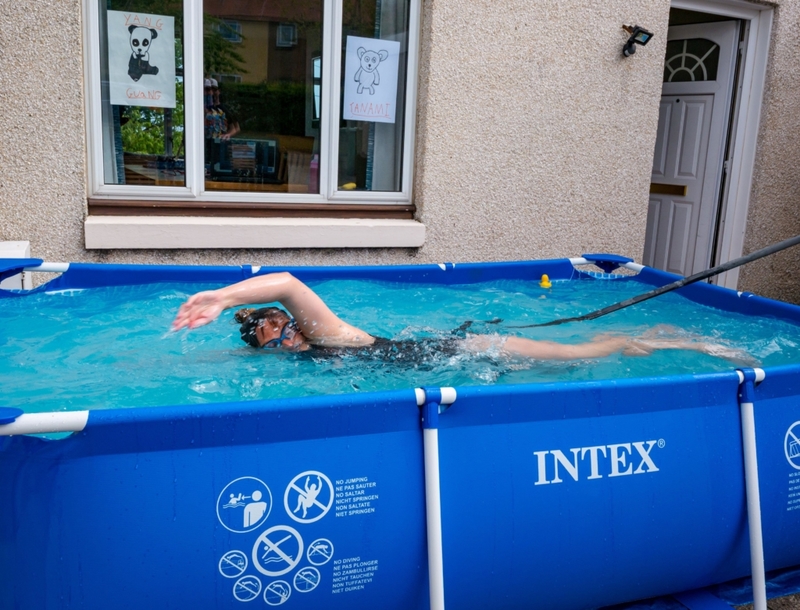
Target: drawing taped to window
[[371, 72], [139, 63], [368, 76], [141, 59]]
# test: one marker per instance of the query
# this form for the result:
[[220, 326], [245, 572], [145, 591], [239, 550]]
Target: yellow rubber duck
[[545, 282]]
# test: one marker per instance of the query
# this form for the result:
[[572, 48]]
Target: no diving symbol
[[247, 588], [233, 564], [278, 550], [320, 552], [791, 445], [277, 592], [306, 579], [308, 497]]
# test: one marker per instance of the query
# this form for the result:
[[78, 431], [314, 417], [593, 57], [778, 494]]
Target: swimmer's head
[[268, 327]]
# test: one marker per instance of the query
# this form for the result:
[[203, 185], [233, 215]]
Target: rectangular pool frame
[[558, 495]]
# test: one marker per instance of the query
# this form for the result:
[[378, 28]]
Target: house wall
[[534, 137], [774, 212]]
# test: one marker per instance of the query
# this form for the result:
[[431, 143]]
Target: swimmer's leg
[[719, 350], [599, 347], [637, 348], [550, 350]]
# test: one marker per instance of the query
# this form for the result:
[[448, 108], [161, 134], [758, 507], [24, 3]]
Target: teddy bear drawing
[[367, 76], [139, 63]]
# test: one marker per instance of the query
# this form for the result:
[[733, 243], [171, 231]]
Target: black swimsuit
[[389, 350]]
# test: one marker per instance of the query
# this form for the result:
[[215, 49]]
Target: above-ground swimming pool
[[509, 492]]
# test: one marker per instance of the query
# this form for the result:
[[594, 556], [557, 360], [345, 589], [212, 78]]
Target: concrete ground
[[790, 602]]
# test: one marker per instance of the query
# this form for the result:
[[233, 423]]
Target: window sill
[[198, 232]]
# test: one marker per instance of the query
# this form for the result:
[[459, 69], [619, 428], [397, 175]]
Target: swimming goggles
[[278, 341]]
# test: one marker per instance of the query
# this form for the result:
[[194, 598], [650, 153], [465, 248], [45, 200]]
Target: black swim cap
[[252, 318]]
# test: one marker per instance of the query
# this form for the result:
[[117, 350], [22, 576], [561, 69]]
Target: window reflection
[[142, 92], [262, 95], [374, 57], [694, 59]]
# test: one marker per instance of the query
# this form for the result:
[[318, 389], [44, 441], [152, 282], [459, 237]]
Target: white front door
[[690, 145]]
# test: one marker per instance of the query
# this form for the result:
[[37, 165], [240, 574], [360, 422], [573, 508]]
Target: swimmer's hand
[[199, 310]]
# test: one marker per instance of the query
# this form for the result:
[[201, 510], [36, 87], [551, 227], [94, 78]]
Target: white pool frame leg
[[431, 400], [433, 513], [747, 380]]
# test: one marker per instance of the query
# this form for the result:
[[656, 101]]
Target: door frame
[[682, 228], [746, 119]]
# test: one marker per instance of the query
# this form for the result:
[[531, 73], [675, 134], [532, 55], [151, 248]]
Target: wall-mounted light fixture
[[638, 35]]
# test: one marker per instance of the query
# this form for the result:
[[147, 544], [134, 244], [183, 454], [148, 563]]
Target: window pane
[[141, 57], [374, 58], [262, 73], [694, 59]]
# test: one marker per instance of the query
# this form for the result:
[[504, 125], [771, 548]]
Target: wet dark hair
[[250, 319]]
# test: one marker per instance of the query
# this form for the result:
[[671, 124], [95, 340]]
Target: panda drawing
[[139, 63]]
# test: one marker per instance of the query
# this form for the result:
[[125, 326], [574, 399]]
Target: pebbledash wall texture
[[534, 138]]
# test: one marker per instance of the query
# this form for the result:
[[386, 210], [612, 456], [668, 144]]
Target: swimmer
[[313, 326]]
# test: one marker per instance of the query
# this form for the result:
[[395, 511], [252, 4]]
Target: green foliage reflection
[[161, 131]]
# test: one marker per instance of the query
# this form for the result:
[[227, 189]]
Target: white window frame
[[194, 190], [234, 25], [283, 30]]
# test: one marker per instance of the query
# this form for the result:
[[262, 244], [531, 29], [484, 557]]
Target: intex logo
[[618, 461]]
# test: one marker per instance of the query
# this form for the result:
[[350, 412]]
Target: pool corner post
[[748, 378], [432, 401]]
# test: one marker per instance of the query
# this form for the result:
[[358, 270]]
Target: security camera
[[638, 35]]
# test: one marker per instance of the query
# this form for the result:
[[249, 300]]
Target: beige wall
[[534, 140], [255, 50], [536, 135], [42, 152], [775, 200]]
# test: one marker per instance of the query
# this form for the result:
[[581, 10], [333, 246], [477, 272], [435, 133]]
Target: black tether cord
[[788, 243]]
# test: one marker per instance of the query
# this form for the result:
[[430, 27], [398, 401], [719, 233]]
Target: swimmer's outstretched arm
[[315, 319]]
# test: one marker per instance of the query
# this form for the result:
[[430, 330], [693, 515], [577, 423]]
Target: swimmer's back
[[395, 351]]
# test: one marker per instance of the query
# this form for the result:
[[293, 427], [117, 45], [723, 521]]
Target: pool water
[[112, 348]]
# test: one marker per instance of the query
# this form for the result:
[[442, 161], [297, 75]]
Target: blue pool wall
[[89, 275], [562, 495], [123, 514]]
